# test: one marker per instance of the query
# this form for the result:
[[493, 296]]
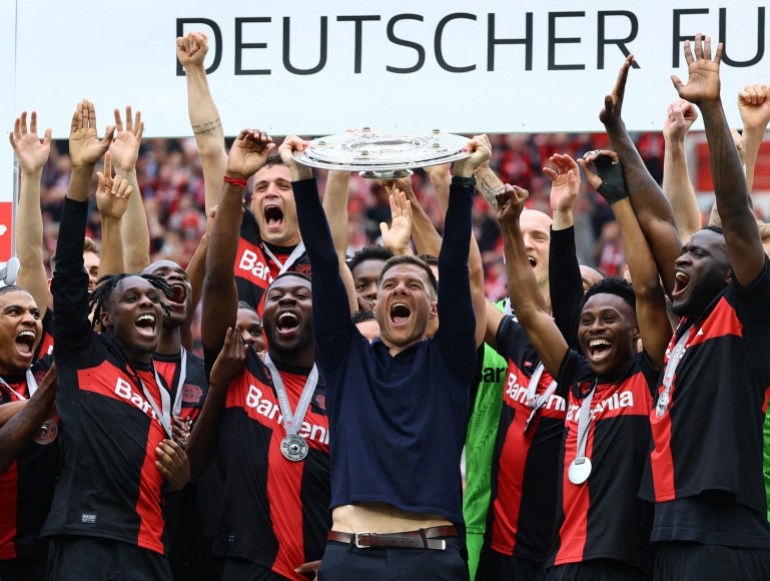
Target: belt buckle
[[357, 543]]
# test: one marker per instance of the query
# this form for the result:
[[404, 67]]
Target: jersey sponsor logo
[[518, 393], [251, 264], [124, 390], [256, 400], [191, 393], [617, 402], [88, 518]]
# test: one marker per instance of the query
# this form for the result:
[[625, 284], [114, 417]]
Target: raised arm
[[112, 199], [563, 266], [424, 235], [196, 273], [526, 298], [650, 204], [22, 427], [744, 245], [135, 232], [32, 156], [333, 316], [457, 306], [220, 298], [203, 440], [754, 107], [440, 178], [602, 168], [488, 184], [335, 207], [206, 124], [70, 281], [676, 175]]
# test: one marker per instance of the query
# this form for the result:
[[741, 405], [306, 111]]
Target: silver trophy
[[380, 155]]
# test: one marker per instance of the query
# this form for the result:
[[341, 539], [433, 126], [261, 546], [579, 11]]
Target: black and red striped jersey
[[26, 487], [710, 436], [254, 269], [188, 511], [275, 512], [109, 486], [45, 346], [603, 518], [525, 466]]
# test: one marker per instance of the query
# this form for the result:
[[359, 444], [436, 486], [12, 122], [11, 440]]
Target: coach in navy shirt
[[397, 408]]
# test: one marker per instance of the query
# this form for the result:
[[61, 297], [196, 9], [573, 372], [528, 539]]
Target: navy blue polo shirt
[[397, 424]]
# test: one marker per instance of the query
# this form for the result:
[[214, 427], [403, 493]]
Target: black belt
[[420, 539]]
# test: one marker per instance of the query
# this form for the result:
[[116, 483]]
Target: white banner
[[7, 52], [319, 67]]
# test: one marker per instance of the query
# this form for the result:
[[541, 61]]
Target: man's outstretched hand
[[703, 83]]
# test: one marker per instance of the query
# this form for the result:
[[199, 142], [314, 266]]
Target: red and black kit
[[255, 269], [45, 346], [708, 440], [275, 512], [109, 486], [190, 523], [603, 518], [26, 487], [525, 468]]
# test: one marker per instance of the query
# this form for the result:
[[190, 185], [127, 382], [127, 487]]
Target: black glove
[[613, 188]]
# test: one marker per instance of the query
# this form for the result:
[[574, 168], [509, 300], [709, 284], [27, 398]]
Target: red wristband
[[235, 182]]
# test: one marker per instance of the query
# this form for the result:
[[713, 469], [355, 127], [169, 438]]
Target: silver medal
[[662, 406], [579, 470], [294, 448], [46, 433]]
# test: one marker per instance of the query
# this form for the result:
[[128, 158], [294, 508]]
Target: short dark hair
[[247, 306], [362, 316], [369, 253], [289, 273], [612, 286], [428, 259], [105, 285], [12, 288], [408, 259], [715, 228]]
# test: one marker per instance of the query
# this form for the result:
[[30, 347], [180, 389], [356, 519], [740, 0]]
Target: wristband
[[235, 182], [463, 182], [613, 188]]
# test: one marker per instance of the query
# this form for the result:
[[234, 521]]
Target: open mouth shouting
[[532, 261], [681, 282], [145, 324], [273, 217], [399, 313], [599, 349], [287, 323], [25, 343]]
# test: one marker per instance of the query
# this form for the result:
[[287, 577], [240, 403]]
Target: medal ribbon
[[31, 386], [298, 251], [535, 402], [668, 377], [164, 416], [584, 422], [292, 423], [180, 383]]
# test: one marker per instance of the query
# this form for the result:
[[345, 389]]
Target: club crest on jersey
[[191, 393]]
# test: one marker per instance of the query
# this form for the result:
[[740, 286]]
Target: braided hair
[[106, 284]]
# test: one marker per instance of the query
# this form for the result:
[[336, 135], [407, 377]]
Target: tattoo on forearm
[[489, 185], [206, 127]]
